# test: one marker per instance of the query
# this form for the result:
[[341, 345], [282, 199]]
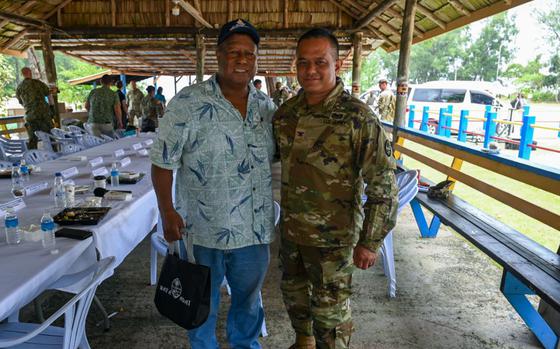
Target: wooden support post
[[123, 80], [200, 55], [402, 74], [50, 70], [270, 85], [356, 62]]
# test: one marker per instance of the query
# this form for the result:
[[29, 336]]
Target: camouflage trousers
[[316, 286], [43, 123]]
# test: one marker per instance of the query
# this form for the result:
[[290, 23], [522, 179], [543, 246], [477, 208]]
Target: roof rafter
[[379, 9], [195, 13]]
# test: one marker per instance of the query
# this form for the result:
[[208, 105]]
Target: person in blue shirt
[[160, 97], [217, 136]]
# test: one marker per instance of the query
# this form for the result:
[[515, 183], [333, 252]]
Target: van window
[[478, 97], [439, 95], [426, 95], [453, 96]]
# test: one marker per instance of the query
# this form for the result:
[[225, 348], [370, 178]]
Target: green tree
[[551, 22], [527, 77], [494, 44], [438, 58]]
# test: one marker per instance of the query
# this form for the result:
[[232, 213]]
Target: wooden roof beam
[[23, 20], [15, 39], [194, 12], [459, 7], [396, 15], [368, 18], [430, 15], [21, 10], [58, 8], [14, 53], [376, 32]]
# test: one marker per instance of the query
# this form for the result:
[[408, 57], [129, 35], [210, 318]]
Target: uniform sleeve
[[168, 146], [377, 165], [44, 89]]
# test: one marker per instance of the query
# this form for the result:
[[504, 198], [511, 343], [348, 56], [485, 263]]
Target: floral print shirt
[[223, 181]]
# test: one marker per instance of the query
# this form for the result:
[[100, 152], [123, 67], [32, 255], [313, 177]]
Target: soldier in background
[[331, 146], [280, 95], [152, 110], [386, 102], [134, 102], [104, 109], [32, 94]]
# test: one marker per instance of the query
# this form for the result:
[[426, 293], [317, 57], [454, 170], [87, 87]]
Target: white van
[[462, 95]]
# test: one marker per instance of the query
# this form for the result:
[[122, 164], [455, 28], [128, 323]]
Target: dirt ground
[[447, 297]]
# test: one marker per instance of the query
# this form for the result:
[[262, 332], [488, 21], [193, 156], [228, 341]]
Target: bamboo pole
[[50, 70], [402, 73], [200, 55], [356, 63]]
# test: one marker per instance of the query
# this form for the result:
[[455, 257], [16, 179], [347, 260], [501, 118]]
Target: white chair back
[[36, 156]]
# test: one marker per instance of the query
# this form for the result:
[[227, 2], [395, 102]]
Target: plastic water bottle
[[114, 175], [47, 228], [11, 223], [17, 181], [58, 189], [24, 170]]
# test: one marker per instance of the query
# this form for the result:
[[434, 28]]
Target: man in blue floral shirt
[[217, 135]]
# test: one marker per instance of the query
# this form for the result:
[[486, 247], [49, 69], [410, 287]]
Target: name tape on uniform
[[69, 172], [96, 162]]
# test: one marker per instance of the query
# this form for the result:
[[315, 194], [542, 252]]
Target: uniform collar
[[329, 102]]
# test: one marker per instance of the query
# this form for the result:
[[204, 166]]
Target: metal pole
[[402, 74]]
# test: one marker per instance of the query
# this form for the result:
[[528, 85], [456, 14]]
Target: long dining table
[[27, 269]]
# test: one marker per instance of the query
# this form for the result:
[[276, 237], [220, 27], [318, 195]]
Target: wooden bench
[[528, 267]]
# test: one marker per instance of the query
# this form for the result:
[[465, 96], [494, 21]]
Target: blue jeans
[[245, 269]]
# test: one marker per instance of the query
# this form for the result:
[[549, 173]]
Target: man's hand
[[364, 258], [172, 225]]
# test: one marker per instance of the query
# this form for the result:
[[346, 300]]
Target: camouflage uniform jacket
[[280, 96], [328, 152], [386, 105], [102, 102], [31, 94], [134, 100], [151, 107]]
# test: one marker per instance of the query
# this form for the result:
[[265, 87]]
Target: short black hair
[[159, 89], [257, 81], [119, 84], [150, 89], [106, 79], [317, 33]]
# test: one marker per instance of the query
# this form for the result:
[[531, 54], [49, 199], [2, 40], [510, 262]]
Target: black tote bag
[[183, 288]]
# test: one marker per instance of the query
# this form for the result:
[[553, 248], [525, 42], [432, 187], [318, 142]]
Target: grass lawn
[[542, 233]]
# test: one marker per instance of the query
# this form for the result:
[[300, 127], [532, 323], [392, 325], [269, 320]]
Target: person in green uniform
[[104, 107], [134, 102], [33, 94], [332, 150], [152, 110]]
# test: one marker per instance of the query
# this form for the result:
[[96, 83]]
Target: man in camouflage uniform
[[31, 94], [386, 102], [134, 102], [330, 146], [104, 107], [152, 110], [280, 95]]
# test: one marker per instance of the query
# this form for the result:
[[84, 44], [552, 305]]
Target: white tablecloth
[[126, 224]]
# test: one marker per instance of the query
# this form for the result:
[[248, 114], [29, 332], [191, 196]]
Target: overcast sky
[[530, 40]]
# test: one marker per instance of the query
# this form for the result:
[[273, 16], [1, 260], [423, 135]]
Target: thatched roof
[[114, 74], [144, 36]]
